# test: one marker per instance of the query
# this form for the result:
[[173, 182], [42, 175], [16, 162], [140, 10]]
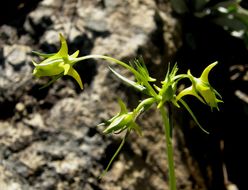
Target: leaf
[[192, 115], [127, 81], [114, 156]]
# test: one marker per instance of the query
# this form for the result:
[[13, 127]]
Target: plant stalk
[[154, 94], [169, 146]]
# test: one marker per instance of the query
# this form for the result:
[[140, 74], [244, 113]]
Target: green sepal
[[44, 55], [122, 106], [136, 128], [115, 125]]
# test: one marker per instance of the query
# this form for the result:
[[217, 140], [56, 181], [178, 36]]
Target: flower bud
[[123, 120], [119, 123]]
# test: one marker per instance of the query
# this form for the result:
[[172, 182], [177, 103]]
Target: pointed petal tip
[[209, 67], [215, 63], [62, 38], [219, 101], [34, 63], [75, 54], [73, 73], [63, 52], [205, 73]]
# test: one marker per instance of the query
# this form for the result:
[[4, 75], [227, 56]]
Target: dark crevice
[[87, 70], [7, 109], [37, 92], [92, 132], [20, 9]]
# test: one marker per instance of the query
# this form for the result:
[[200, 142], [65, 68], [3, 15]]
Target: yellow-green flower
[[167, 92], [122, 121], [202, 89], [58, 64]]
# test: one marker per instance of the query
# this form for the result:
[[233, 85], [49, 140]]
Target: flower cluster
[[58, 64]]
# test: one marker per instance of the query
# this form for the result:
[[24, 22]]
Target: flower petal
[[75, 54], [63, 52], [189, 91], [204, 75], [44, 55], [73, 73]]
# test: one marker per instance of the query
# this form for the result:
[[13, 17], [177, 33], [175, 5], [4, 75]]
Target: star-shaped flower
[[58, 64], [202, 89]]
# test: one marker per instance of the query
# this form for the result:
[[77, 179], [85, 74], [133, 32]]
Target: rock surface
[[48, 137]]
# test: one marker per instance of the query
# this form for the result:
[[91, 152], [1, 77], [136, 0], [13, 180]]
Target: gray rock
[[16, 55], [39, 20], [14, 72], [8, 35]]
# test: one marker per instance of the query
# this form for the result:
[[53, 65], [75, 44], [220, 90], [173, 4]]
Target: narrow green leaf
[[192, 115], [127, 81], [115, 154], [44, 55]]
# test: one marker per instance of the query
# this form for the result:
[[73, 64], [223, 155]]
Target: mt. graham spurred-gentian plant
[[58, 64]]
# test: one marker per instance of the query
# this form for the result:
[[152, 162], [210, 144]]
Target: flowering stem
[[181, 76], [106, 58], [168, 139], [152, 91]]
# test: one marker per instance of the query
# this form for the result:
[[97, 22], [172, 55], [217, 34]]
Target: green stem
[[169, 146], [152, 91], [181, 76], [106, 58]]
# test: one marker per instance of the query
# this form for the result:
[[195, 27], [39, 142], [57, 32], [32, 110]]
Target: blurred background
[[48, 137]]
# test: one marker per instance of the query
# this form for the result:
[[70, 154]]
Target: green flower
[[202, 89], [58, 64], [123, 120], [167, 92]]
